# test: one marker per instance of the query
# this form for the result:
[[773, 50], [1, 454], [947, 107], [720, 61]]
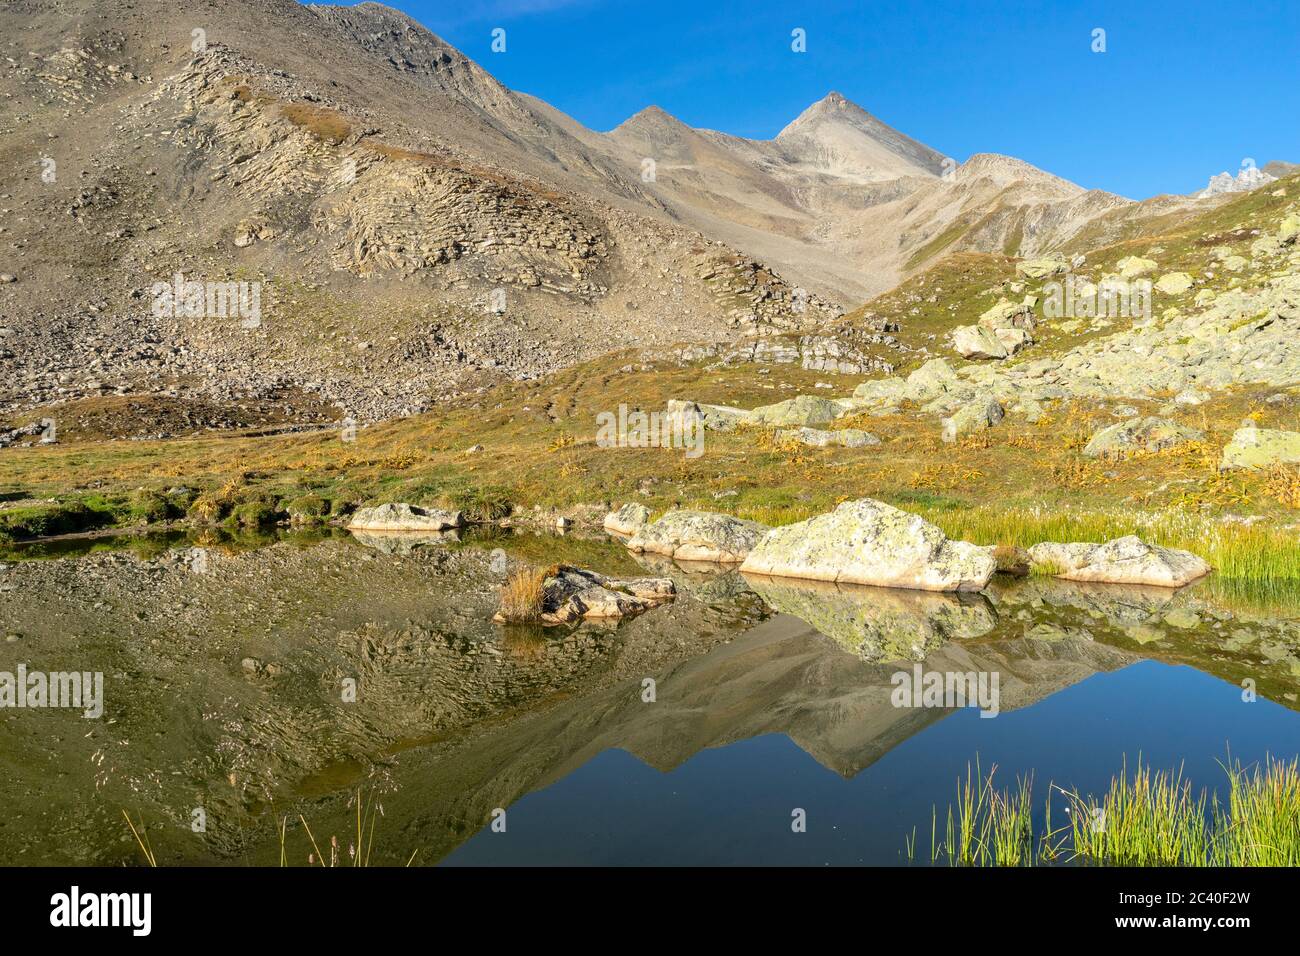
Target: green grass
[[71, 516], [1146, 818], [1257, 564]]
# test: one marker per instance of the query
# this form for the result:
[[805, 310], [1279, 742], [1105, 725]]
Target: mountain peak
[[830, 108], [838, 137]]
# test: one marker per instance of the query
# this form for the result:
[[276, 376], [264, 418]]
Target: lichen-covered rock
[[1148, 434], [972, 417], [931, 380], [880, 391], [800, 410], [1261, 448], [870, 542], [819, 438], [1041, 268], [977, 342], [1289, 229], [1013, 339], [698, 536], [716, 417], [1127, 560], [628, 519], [1134, 266], [1009, 315], [404, 517], [1174, 283]]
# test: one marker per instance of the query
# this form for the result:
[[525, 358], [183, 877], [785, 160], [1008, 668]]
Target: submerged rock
[[628, 519], [698, 536], [1261, 448], [870, 542], [1127, 560], [404, 517], [1149, 434]]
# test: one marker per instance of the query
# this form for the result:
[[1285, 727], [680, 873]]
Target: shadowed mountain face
[[418, 229]]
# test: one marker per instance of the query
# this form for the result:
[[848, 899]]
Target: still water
[[226, 665]]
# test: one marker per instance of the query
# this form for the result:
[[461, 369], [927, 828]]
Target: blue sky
[[1182, 91]]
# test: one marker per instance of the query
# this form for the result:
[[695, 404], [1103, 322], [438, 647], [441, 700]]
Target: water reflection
[[223, 680]]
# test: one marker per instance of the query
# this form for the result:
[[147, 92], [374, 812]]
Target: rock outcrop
[[1260, 448], [800, 410], [628, 519], [1127, 560], [404, 517], [698, 536], [1136, 435], [821, 438], [870, 542]]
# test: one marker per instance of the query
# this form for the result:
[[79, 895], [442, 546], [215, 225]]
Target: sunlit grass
[[1146, 817]]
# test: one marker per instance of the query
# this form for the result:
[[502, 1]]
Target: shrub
[[257, 513], [521, 596], [308, 508], [66, 517], [482, 504], [149, 506]]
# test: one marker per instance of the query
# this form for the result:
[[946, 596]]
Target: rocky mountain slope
[[414, 230]]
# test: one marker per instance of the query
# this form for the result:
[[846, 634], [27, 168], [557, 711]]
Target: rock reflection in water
[[879, 623]]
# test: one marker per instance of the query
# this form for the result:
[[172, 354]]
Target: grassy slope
[[1014, 484]]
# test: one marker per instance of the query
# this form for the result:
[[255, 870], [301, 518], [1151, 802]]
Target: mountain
[[834, 137], [415, 229]]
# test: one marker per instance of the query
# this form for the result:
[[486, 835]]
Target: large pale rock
[[404, 517], [1289, 229], [1127, 560], [883, 391], [1174, 283], [1134, 266], [870, 542], [1009, 315], [800, 410], [977, 342], [931, 380], [1148, 434], [715, 417], [1041, 268], [1261, 448], [972, 417], [698, 536], [628, 519], [819, 438], [1013, 340]]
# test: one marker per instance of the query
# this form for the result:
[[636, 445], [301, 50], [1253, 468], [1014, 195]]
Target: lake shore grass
[[1146, 818]]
